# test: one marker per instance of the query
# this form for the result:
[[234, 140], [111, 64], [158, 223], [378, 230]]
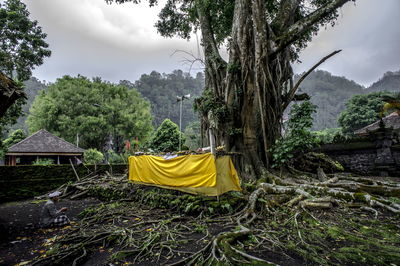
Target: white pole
[[77, 139], [180, 125], [212, 143]]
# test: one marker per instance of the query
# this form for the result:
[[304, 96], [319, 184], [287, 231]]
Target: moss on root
[[344, 238]]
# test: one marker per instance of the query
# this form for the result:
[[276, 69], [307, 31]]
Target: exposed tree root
[[305, 195], [123, 225]]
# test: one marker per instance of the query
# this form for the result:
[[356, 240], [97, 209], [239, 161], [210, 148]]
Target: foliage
[[361, 110], [11, 115], [390, 81], [193, 136], [161, 91], [166, 138], [91, 109], [43, 161], [330, 93], [32, 87], [299, 139], [327, 135], [180, 18], [115, 158], [21, 41], [392, 103], [252, 88], [352, 238], [22, 47], [186, 203], [92, 156], [15, 137]]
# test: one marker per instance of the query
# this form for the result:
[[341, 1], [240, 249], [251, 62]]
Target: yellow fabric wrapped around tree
[[196, 174]]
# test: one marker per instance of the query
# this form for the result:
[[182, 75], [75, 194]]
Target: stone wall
[[26, 181], [363, 158]]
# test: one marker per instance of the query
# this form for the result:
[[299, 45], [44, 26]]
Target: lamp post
[[180, 99], [109, 144]]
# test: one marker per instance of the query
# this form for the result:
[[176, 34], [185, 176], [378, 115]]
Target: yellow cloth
[[182, 171], [195, 174]]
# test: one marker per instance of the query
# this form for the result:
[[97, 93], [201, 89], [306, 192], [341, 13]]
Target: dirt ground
[[342, 235], [20, 232]]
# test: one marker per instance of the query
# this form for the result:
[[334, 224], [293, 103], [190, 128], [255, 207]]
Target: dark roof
[[391, 121], [44, 142]]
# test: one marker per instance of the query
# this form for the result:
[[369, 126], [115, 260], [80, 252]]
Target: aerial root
[[305, 196], [159, 238]]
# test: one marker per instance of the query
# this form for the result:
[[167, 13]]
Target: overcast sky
[[117, 42]]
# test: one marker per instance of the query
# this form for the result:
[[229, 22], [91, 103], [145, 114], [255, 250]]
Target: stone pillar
[[384, 162]]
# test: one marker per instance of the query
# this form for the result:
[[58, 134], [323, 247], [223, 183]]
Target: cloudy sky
[[116, 42]]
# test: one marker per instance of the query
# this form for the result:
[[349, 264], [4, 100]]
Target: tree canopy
[[298, 138], [32, 87], [245, 97], [22, 47], [361, 110], [162, 89], [15, 137], [21, 41], [93, 109], [166, 137]]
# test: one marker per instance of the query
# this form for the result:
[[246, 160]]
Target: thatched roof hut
[[43, 144]]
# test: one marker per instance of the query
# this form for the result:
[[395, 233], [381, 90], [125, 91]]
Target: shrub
[[299, 139], [43, 161], [166, 138], [115, 158], [93, 156]]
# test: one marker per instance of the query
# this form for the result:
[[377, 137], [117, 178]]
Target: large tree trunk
[[252, 90]]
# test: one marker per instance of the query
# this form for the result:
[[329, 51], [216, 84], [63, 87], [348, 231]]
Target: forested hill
[[32, 88], [389, 82], [162, 89], [330, 93]]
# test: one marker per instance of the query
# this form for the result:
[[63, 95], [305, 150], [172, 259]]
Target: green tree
[[92, 156], [22, 47], [161, 91], [251, 90], [32, 87], [361, 110], [15, 137], [299, 138], [193, 135], [166, 137], [92, 109], [330, 93]]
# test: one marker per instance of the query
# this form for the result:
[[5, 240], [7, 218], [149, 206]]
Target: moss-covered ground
[[153, 226]]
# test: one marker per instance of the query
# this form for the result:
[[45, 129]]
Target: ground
[[21, 237], [129, 224]]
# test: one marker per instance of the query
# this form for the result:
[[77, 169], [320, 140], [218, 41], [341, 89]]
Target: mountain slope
[[389, 82], [330, 93]]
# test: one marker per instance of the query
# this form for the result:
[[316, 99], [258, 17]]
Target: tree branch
[[286, 15], [293, 90], [297, 29], [10, 92]]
